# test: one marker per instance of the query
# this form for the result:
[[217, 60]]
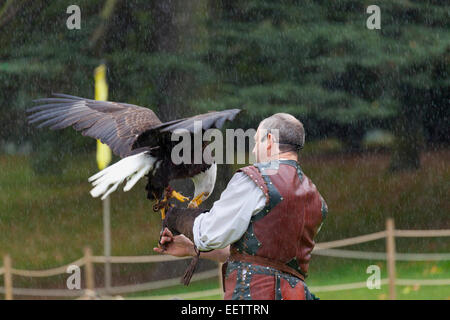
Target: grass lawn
[[344, 271], [45, 221]]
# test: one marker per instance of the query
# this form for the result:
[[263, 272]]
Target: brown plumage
[[128, 130], [116, 124]]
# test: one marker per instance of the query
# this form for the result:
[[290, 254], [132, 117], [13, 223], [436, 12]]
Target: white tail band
[[131, 168]]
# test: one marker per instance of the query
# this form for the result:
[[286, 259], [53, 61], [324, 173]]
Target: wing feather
[[122, 126], [214, 119], [162, 132], [117, 124]]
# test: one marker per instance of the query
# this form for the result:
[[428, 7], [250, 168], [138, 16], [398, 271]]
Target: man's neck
[[284, 156]]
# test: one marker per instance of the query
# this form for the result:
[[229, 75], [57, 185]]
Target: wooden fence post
[[220, 265], [90, 278], [390, 251], [8, 277]]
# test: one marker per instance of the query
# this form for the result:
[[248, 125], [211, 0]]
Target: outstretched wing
[[160, 134], [212, 119], [115, 124]]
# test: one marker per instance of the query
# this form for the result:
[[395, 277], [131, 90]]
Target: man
[[264, 224]]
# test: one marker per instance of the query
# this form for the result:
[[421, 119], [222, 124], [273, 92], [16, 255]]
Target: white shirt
[[230, 216]]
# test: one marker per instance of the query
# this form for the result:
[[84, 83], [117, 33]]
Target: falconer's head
[[279, 136]]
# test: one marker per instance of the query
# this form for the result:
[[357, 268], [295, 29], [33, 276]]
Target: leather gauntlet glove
[[181, 220]]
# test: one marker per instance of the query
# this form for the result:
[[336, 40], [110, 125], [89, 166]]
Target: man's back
[[281, 235]]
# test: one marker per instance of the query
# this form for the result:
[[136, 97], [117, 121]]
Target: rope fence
[[350, 241], [136, 259], [323, 249], [48, 272], [330, 288], [370, 255]]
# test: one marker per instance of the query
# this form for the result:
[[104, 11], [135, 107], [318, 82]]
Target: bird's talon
[[196, 201], [179, 196]]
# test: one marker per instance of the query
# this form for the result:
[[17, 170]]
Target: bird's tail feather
[[131, 168]]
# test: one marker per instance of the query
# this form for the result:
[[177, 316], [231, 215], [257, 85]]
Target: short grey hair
[[291, 133]]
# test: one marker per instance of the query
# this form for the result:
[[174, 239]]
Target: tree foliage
[[318, 61], [314, 59]]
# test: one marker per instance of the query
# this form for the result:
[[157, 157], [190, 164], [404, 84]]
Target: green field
[[345, 271], [45, 220]]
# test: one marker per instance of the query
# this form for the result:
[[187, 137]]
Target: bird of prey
[[142, 141]]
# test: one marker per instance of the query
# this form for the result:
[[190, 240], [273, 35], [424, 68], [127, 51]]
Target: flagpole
[[103, 159], [107, 241]]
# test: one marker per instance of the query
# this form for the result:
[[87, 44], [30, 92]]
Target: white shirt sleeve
[[229, 217]]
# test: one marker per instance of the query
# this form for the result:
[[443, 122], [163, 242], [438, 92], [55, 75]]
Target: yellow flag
[[101, 93]]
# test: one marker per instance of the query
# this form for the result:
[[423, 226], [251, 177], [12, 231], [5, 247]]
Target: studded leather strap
[[236, 256]]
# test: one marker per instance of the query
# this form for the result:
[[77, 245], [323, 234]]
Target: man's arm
[[181, 246], [230, 216], [219, 255], [227, 220]]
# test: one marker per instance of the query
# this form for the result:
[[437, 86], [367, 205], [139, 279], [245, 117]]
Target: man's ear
[[269, 141], [269, 145]]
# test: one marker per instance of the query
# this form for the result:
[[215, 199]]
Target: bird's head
[[204, 185]]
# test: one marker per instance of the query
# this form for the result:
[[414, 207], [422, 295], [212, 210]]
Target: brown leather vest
[[283, 231]]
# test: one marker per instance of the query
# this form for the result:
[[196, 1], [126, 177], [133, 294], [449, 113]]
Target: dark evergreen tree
[[314, 59], [319, 61]]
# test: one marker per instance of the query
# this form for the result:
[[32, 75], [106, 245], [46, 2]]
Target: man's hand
[[178, 246]]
